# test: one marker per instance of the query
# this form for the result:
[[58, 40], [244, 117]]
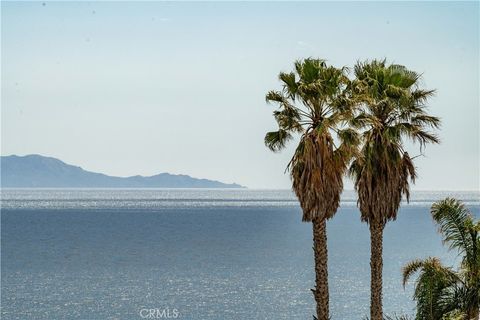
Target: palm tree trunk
[[376, 266], [321, 267]]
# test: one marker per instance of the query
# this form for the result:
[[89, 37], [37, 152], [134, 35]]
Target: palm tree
[[439, 291], [430, 289], [313, 103], [392, 108]]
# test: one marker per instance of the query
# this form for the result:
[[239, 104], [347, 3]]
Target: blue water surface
[[210, 254]]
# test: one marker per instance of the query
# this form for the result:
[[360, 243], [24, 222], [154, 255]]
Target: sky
[[127, 88]]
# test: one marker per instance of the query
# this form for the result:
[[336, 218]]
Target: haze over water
[[217, 254]]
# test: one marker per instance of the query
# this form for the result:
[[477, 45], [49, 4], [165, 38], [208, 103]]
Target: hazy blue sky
[[130, 88]]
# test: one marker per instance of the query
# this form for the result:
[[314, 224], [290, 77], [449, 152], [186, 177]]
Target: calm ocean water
[[209, 254]]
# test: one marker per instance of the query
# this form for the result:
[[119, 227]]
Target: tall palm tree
[[313, 103], [392, 108], [440, 291]]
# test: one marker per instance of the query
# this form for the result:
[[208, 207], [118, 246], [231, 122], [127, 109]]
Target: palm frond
[[454, 222], [290, 86], [275, 96], [276, 140]]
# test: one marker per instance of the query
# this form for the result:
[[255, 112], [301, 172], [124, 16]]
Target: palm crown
[[315, 103], [393, 108]]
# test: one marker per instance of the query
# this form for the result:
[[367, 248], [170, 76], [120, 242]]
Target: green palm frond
[[290, 85], [276, 140], [421, 96], [275, 96], [455, 223], [288, 119], [426, 120]]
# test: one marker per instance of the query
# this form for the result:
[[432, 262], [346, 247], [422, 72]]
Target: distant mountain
[[35, 171]]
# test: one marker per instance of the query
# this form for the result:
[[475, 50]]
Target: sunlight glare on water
[[210, 254]]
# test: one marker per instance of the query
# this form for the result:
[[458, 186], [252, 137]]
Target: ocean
[[197, 254]]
